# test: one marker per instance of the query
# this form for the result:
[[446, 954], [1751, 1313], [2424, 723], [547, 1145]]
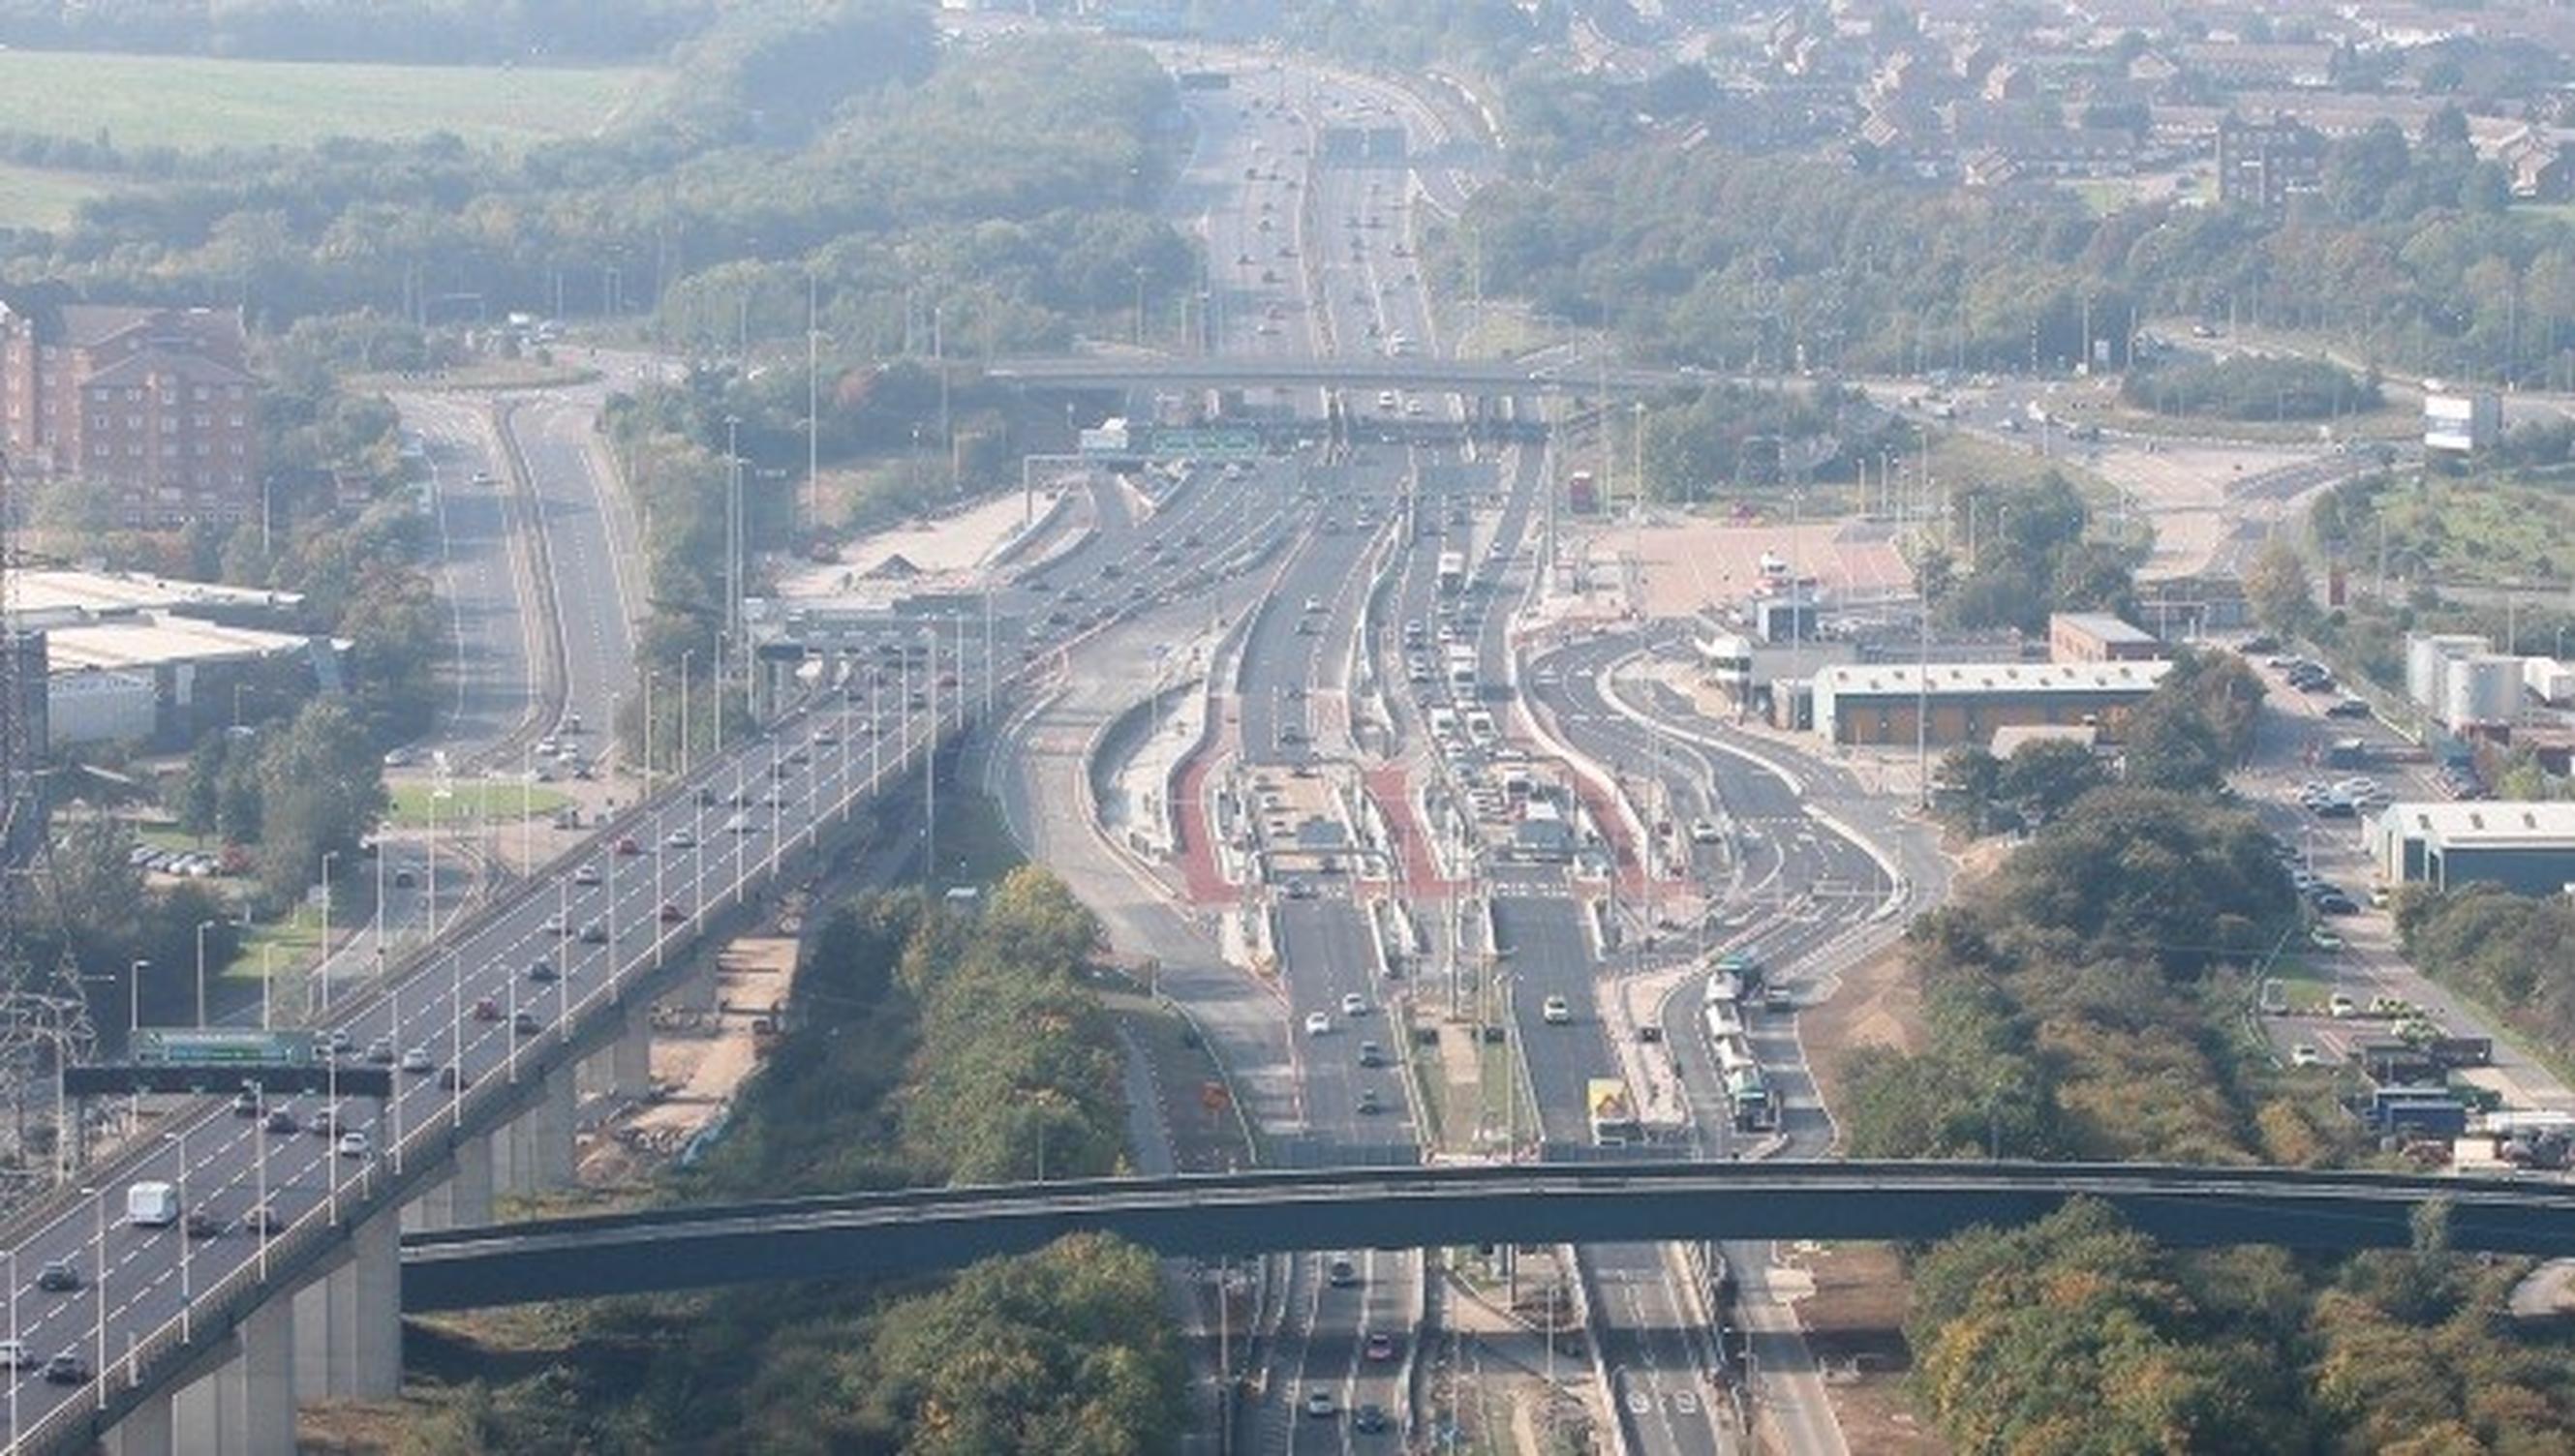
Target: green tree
[[1969, 779], [2278, 590], [2169, 744], [200, 793], [2043, 777], [2074, 1334], [397, 632], [322, 791]]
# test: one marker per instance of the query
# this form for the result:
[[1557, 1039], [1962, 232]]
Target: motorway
[[565, 948], [481, 573], [1301, 252], [1785, 889], [1328, 687]]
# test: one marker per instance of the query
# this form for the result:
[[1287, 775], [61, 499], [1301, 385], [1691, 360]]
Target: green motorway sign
[[1205, 445], [212, 1046]]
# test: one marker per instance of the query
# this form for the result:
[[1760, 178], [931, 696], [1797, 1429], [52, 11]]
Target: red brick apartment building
[[152, 404]]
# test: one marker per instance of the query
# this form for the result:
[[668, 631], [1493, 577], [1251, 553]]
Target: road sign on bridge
[[222, 1046], [1204, 443]]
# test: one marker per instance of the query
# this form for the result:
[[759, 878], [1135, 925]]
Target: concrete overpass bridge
[[1368, 372], [1264, 1212]]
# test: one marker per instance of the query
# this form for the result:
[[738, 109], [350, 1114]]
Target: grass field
[[36, 198], [193, 103], [2490, 529]]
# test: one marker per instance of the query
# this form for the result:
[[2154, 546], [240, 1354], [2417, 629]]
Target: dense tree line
[[827, 145], [2019, 553], [98, 911], [1728, 434], [303, 789], [2074, 1002], [2248, 387], [2076, 1333], [2508, 951], [2086, 1003], [1697, 252], [925, 1046]]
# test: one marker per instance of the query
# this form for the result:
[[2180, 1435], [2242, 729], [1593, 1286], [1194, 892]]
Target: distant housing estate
[[151, 404]]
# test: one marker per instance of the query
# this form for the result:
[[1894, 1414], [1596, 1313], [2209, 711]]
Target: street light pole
[[186, 1285], [324, 967], [134, 1002], [202, 927], [733, 542], [98, 1279]]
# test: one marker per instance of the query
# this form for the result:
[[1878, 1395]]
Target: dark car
[[449, 1080], [203, 1224], [543, 971], [59, 1275], [1368, 1419], [2348, 707], [2335, 902], [246, 1103], [282, 1120], [526, 1023], [67, 1368]]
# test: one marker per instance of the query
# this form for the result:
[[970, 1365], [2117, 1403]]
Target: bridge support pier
[[145, 1431], [631, 1061], [243, 1403], [463, 1199], [348, 1325], [534, 1151]]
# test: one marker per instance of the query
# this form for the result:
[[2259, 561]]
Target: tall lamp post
[[202, 927], [134, 1002], [321, 968]]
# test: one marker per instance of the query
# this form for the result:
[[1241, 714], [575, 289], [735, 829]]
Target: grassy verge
[[416, 805], [1959, 456], [975, 844]]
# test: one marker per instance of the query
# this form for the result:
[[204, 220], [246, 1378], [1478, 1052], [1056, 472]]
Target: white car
[[1353, 1004], [681, 840], [2305, 1055], [1317, 1023], [417, 1061], [585, 875], [14, 1355], [1703, 831], [354, 1145], [1557, 1011]]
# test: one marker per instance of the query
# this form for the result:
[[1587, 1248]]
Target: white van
[[151, 1205]]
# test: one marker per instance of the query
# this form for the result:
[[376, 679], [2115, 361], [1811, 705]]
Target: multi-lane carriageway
[[155, 1306]]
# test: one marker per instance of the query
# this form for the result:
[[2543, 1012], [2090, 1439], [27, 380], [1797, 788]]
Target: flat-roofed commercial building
[[1882, 703], [2522, 845], [2099, 637]]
